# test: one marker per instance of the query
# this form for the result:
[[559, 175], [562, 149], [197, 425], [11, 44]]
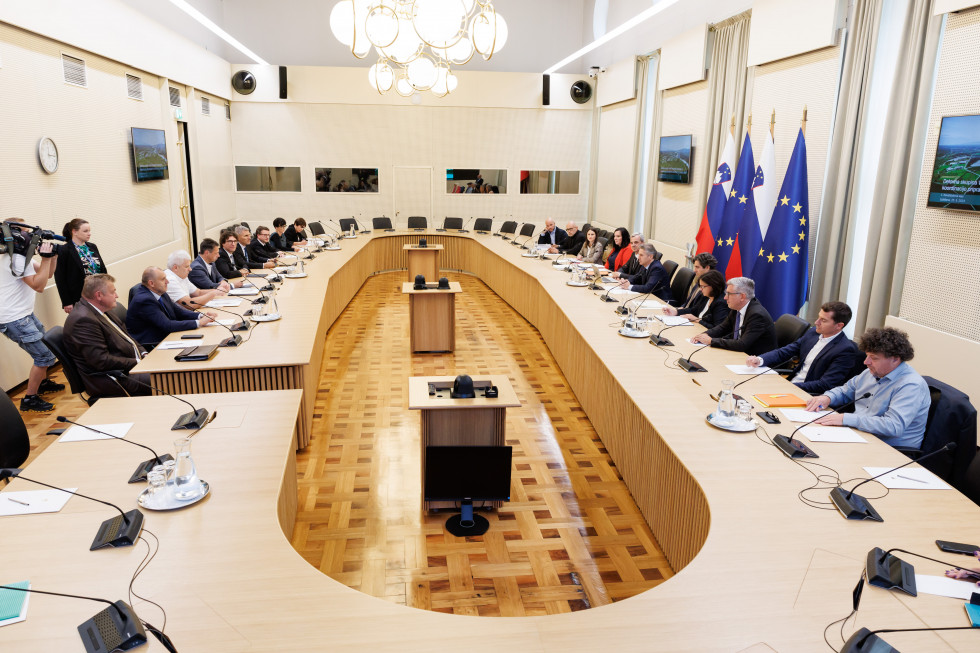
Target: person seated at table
[[826, 356], [226, 263], [591, 251], [278, 237], [573, 242], [632, 265], [243, 256], [98, 341], [296, 234], [180, 288], [621, 251], [204, 271], [152, 315], [261, 248], [552, 235], [748, 326], [652, 277], [702, 263], [709, 308], [898, 407]]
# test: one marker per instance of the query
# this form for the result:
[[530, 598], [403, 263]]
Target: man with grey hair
[[572, 244], [632, 266], [243, 258], [180, 288], [652, 277], [747, 328]]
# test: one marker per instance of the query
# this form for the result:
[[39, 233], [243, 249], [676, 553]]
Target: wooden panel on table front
[[432, 320]]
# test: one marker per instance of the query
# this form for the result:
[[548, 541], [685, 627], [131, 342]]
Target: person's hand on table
[[819, 403], [971, 575], [702, 338], [623, 283], [831, 419], [670, 310], [753, 361]]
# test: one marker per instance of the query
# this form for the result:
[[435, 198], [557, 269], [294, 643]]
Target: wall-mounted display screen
[[472, 181], [675, 159], [549, 182], [268, 179], [150, 154], [956, 174], [347, 180]]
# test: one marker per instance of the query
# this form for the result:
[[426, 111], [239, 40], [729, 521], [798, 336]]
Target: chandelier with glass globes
[[418, 41]]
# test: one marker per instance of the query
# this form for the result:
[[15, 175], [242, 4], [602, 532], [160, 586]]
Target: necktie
[[738, 324], [115, 326]]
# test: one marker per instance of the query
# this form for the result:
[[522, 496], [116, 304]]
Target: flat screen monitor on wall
[[150, 154], [956, 174], [675, 159]]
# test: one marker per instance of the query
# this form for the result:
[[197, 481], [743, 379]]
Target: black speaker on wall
[[546, 90], [282, 82]]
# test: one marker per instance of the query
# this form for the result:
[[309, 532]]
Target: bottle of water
[[187, 485], [726, 404]]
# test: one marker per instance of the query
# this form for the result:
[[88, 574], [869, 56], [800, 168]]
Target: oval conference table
[[757, 569]]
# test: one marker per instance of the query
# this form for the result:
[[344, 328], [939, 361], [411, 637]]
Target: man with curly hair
[[898, 405]]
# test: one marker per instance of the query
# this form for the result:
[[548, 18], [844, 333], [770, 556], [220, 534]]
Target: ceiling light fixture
[[220, 33], [418, 41]]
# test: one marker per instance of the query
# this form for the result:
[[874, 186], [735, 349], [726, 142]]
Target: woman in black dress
[[77, 259]]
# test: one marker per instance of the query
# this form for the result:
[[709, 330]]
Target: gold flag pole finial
[[772, 124], [803, 123], [733, 125], [748, 126]]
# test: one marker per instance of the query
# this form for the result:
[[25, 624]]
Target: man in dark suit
[[747, 328], [278, 237], [243, 255], [261, 249], [651, 278], [632, 266], [204, 271], [227, 265], [153, 316], [296, 234], [552, 235], [826, 356], [98, 341], [702, 263], [572, 244]]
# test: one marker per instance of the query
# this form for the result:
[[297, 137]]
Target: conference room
[[433, 420]]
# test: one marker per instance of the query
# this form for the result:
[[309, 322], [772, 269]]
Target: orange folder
[[780, 400]]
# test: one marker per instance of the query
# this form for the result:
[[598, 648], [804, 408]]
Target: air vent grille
[[206, 106], [74, 70], [228, 110], [134, 87], [174, 97]]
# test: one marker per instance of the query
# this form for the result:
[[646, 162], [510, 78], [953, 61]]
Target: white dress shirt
[[812, 356]]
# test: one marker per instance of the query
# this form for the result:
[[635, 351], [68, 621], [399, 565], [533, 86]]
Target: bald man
[[572, 244], [153, 315], [552, 235]]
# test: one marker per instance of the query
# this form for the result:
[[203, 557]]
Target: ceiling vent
[[74, 70], [206, 106], [174, 97], [134, 87]]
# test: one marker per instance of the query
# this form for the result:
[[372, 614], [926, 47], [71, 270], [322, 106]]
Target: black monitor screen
[[477, 473]]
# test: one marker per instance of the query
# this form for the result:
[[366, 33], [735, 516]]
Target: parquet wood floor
[[570, 538]]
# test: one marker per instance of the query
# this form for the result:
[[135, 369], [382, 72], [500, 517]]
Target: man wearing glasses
[[747, 328]]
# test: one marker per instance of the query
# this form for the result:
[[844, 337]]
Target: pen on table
[[18, 501], [909, 478]]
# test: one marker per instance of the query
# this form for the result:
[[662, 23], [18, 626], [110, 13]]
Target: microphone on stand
[[796, 449], [891, 572], [606, 297], [464, 229], [526, 239], [360, 229], [234, 340], [867, 641], [688, 365], [767, 371], [262, 298], [854, 506], [663, 342], [144, 467], [339, 232], [630, 324], [118, 531], [241, 326], [196, 419]]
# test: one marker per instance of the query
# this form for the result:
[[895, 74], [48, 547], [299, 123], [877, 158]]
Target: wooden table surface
[[757, 569]]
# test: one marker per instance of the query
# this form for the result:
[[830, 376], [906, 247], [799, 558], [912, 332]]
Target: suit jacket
[[293, 236], [200, 277], [243, 258], [150, 320], [69, 273], [572, 243], [758, 331], [560, 237], [652, 279], [262, 253], [227, 265], [631, 267], [280, 242], [831, 368], [716, 314], [97, 347]]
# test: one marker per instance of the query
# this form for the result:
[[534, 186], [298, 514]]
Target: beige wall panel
[[614, 187]]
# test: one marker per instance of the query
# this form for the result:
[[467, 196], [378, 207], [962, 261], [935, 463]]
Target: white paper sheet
[[801, 415], [224, 303], [228, 322], [178, 344], [23, 610], [244, 291], [909, 478], [79, 434], [745, 370], [37, 501], [673, 320], [621, 291], [943, 586], [696, 344], [818, 433]]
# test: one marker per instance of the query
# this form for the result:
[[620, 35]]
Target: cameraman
[[18, 290]]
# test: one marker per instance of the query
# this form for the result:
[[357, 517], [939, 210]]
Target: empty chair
[[452, 223], [15, 445], [347, 223], [417, 222], [790, 328], [678, 287], [508, 227], [971, 485], [316, 228], [381, 223], [53, 338], [528, 229], [483, 224], [670, 266]]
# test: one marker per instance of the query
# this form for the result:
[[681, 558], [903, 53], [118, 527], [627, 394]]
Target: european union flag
[[781, 281], [726, 242]]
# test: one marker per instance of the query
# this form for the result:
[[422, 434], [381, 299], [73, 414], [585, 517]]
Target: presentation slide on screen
[[956, 175], [675, 159]]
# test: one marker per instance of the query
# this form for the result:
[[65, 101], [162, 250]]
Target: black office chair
[[484, 225], [658, 256], [678, 287], [347, 223], [452, 223], [15, 445], [417, 222], [132, 292], [382, 223], [789, 328], [508, 228], [316, 229], [54, 340], [245, 224], [527, 229], [971, 485], [671, 267]]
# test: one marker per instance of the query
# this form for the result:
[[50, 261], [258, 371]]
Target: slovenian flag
[[726, 241], [717, 197]]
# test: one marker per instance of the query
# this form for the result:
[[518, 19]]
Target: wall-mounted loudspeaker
[[243, 82], [581, 92], [546, 90], [282, 82]]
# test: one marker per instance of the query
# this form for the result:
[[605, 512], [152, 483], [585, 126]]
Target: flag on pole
[[717, 197], [726, 241], [758, 212], [781, 281]]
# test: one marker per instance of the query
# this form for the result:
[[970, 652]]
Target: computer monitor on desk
[[467, 474]]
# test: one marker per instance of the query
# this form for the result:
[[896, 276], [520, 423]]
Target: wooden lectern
[[424, 261]]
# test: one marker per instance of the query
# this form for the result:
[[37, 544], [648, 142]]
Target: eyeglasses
[[733, 293]]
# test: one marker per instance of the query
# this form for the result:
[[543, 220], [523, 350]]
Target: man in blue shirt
[[898, 407]]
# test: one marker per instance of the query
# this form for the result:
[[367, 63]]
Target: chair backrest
[[15, 445], [452, 223], [789, 328], [316, 229], [952, 418], [971, 484], [54, 339], [528, 229], [381, 223], [659, 256], [671, 267], [417, 222], [508, 227], [119, 310], [245, 224], [347, 223], [681, 282], [483, 224], [603, 241], [132, 292]]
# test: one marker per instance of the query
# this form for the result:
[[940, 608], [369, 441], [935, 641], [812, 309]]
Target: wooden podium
[[432, 317], [424, 261], [460, 422]]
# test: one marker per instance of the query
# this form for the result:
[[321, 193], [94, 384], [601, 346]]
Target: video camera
[[19, 238]]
